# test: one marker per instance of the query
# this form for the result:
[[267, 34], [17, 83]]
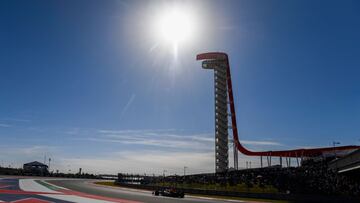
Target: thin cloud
[[128, 104], [27, 151], [250, 142], [145, 161], [4, 125], [16, 120], [16, 156], [166, 138], [73, 131], [176, 144], [136, 131]]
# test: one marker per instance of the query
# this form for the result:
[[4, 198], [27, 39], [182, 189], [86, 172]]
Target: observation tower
[[221, 111]]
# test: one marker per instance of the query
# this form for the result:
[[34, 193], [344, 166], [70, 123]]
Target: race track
[[45, 190]]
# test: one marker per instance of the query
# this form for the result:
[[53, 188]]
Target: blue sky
[[87, 83]]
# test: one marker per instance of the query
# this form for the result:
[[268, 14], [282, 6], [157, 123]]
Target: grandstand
[[349, 163]]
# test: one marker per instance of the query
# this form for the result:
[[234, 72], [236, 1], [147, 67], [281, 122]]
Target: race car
[[169, 193]]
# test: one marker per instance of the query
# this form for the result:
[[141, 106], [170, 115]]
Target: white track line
[[78, 199], [55, 185], [30, 185], [233, 200], [214, 198]]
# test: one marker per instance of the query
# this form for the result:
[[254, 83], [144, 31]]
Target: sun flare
[[174, 27]]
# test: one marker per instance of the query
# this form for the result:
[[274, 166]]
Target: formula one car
[[169, 193]]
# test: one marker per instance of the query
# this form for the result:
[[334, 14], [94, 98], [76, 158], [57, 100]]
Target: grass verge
[[107, 183]]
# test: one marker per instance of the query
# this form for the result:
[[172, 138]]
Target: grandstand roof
[[35, 163], [347, 163]]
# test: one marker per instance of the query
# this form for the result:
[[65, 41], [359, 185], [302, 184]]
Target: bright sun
[[175, 27]]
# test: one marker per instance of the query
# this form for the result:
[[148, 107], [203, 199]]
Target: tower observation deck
[[219, 62]]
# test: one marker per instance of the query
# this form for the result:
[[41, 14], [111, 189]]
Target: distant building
[[35, 168]]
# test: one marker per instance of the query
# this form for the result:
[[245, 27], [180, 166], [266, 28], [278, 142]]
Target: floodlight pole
[[164, 177], [185, 167], [164, 173], [335, 143]]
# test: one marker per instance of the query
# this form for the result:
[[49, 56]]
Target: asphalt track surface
[[59, 190], [129, 194]]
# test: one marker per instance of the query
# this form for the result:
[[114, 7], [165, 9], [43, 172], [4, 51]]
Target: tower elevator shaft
[[221, 113]]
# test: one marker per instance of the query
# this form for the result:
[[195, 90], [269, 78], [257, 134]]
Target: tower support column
[[221, 113]]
